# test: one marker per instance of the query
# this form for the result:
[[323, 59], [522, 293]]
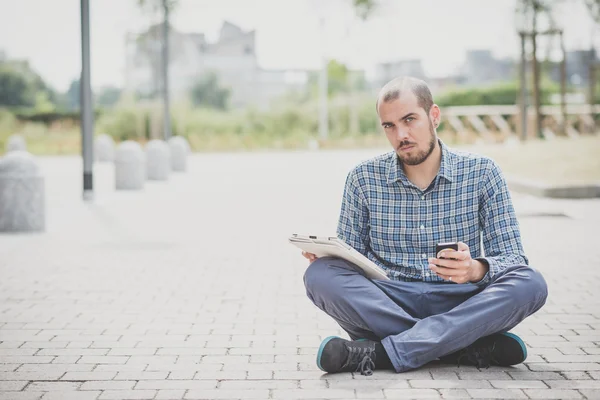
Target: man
[[456, 306]]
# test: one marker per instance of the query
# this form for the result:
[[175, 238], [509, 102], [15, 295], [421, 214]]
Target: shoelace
[[363, 357], [481, 356]]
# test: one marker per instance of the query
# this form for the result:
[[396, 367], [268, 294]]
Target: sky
[[288, 32]]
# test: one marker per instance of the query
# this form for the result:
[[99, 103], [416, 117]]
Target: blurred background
[[303, 74]]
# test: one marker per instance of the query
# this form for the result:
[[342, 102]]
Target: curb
[[585, 191]]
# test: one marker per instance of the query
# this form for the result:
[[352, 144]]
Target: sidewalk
[[189, 290]]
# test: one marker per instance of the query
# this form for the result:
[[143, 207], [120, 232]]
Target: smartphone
[[444, 246]]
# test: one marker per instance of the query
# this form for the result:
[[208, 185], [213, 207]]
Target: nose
[[402, 134]]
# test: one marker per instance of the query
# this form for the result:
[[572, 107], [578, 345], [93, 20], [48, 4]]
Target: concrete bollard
[[130, 166], [158, 160], [16, 143], [104, 148], [22, 194], [179, 149]]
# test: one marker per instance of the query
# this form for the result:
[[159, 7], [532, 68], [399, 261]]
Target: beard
[[418, 158]]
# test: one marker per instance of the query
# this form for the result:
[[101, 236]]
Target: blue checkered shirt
[[397, 225]]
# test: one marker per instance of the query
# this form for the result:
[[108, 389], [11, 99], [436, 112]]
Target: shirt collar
[[447, 166]]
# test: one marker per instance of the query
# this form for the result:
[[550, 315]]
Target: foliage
[[108, 96], [122, 124], [72, 95], [15, 89], [500, 94], [207, 93], [364, 8]]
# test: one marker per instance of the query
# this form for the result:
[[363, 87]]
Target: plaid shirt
[[397, 225]]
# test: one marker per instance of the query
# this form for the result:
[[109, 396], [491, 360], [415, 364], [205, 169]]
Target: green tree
[[207, 93], [72, 95], [364, 8], [15, 89], [108, 96]]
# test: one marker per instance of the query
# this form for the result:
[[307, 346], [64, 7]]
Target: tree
[[207, 93], [364, 8], [108, 96], [166, 6], [72, 95], [15, 89]]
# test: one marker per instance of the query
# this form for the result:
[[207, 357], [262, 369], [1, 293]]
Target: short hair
[[391, 91]]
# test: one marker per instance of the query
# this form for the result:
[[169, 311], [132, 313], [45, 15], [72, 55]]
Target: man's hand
[[461, 269], [309, 256]]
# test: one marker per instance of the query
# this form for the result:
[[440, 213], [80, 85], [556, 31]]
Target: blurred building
[[385, 72], [232, 58], [578, 67], [482, 68]]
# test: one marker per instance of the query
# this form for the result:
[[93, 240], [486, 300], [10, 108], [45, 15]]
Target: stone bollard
[[22, 194], [130, 166], [179, 149], [158, 160], [104, 148], [16, 143]]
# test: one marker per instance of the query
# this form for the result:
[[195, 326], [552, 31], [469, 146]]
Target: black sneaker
[[500, 349], [340, 355]]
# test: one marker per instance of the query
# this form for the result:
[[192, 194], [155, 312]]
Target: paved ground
[[189, 290]]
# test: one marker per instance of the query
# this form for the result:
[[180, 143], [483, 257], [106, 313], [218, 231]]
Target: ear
[[435, 114]]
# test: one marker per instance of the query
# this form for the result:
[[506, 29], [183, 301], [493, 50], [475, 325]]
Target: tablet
[[323, 246]]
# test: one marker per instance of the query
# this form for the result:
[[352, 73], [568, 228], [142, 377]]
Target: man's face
[[408, 128]]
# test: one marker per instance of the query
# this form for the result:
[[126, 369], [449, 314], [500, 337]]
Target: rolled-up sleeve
[[498, 222]]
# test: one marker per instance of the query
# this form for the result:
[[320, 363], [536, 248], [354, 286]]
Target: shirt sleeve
[[498, 222], [353, 223]]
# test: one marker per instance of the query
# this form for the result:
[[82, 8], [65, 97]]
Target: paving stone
[[454, 394], [449, 384], [496, 393], [12, 385], [155, 313], [75, 395], [21, 395], [411, 394], [107, 385], [573, 384], [227, 394], [127, 394], [553, 394]]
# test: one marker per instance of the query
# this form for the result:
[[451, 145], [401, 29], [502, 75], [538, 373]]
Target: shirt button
[[422, 197], [422, 226], [427, 274], [424, 255]]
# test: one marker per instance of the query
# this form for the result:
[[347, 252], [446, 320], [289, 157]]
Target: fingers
[[309, 256], [462, 246], [450, 274], [449, 263]]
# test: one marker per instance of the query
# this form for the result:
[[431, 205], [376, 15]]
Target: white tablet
[[323, 246]]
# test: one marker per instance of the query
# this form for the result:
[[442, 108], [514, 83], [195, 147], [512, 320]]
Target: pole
[[563, 86], [165, 70], [323, 115], [85, 93], [536, 77], [523, 95], [592, 89]]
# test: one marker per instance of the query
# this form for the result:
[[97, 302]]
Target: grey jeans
[[418, 322]]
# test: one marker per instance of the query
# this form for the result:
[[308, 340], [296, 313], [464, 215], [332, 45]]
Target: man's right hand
[[309, 256]]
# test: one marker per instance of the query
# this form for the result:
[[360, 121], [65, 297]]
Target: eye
[[409, 119], [386, 126]]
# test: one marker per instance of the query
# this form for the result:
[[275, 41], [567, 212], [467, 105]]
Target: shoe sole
[[320, 352], [520, 341]]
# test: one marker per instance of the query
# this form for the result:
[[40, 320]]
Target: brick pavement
[[133, 298]]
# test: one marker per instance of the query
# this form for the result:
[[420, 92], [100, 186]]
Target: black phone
[[444, 246]]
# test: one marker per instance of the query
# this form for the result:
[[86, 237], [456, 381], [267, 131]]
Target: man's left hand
[[458, 266]]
